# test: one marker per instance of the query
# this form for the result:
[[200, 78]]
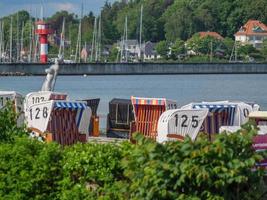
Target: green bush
[[29, 169], [222, 169], [8, 124], [87, 168]]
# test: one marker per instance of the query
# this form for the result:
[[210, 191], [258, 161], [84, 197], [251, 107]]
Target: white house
[[133, 49], [253, 32]]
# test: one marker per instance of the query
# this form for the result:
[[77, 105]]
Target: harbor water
[[182, 88]]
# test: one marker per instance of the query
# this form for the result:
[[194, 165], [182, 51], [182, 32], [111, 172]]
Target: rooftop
[[211, 34], [253, 27]]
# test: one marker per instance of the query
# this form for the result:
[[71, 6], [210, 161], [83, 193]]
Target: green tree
[[109, 15], [162, 49], [264, 49], [153, 23], [205, 45], [177, 48], [245, 51], [228, 45], [113, 54]]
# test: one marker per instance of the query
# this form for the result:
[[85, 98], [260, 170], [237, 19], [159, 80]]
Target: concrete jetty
[[135, 68]]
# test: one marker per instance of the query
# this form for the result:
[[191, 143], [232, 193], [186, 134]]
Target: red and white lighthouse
[[43, 31]]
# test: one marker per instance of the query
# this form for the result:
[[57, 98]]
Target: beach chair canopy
[[178, 123], [17, 98], [42, 96], [41, 114]]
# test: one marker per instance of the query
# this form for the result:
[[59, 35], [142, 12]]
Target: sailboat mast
[[69, 36], [99, 38], [63, 35], [122, 47], [126, 38], [93, 41], [42, 12], [10, 40], [62, 40], [78, 42], [79, 39], [30, 41], [18, 40], [1, 40], [36, 38], [140, 34], [21, 43], [96, 41]]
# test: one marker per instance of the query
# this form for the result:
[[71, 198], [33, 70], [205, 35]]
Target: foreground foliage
[[8, 124], [221, 169]]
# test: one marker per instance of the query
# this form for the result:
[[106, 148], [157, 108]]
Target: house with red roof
[[253, 32], [211, 34]]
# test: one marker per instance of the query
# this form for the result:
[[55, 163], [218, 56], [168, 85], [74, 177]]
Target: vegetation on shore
[[222, 169]]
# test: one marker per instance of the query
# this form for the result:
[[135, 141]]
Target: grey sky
[[50, 6]]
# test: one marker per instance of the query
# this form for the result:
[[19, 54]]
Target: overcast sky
[[50, 6]]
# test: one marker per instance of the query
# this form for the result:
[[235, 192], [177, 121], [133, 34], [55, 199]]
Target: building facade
[[253, 32]]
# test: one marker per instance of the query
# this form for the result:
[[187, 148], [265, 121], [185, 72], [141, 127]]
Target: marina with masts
[[25, 42]]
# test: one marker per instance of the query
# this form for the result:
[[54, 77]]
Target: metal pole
[[10, 40], [30, 41], [140, 35], [99, 38], [21, 43], [62, 40], [18, 40], [1, 40], [96, 41], [126, 37], [93, 42]]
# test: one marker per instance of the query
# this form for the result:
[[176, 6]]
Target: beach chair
[[147, 112], [222, 114], [65, 122], [119, 118]]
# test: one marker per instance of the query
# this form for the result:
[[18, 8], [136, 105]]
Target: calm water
[[183, 88]]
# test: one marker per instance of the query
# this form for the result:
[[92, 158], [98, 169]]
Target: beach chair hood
[[178, 123], [42, 96], [6, 96]]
